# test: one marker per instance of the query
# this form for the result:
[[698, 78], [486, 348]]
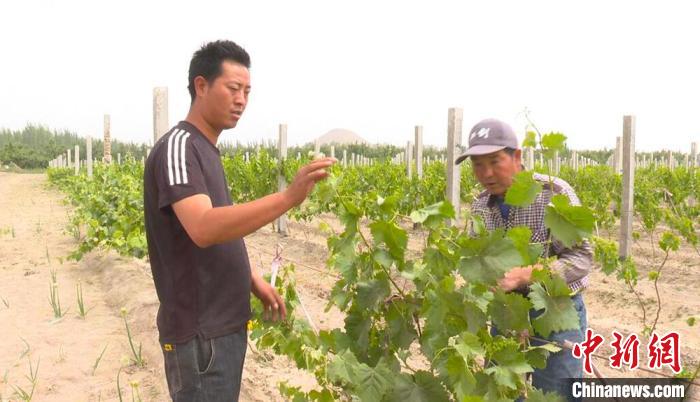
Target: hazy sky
[[377, 68]]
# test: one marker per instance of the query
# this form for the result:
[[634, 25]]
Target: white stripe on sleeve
[[183, 157], [170, 156], [176, 157]]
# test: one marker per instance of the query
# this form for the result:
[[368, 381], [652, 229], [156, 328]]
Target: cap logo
[[482, 133]]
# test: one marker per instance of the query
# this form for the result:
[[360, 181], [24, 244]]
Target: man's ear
[[518, 156], [200, 85]]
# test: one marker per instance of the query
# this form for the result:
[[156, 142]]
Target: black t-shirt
[[202, 291]]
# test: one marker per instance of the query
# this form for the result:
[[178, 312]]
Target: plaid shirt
[[573, 264]]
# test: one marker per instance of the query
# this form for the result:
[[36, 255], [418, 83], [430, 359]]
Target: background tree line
[[35, 145]]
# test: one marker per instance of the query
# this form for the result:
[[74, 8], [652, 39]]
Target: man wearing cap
[[496, 159]]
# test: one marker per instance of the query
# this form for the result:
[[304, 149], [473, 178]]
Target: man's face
[[495, 171], [225, 99]]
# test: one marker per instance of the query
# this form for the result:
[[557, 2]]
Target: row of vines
[[417, 327]]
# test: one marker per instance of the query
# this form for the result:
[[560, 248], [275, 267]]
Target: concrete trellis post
[[160, 112], [107, 143], [409, 152], [68, 159], [332, 151], [419, 151], [670, 159], [694, 154], [281, 181], [529, 158], [626, 214], [345, 158], [317, 149], [119, 158], [574, 160], [88, 155], [617, 156], [76, 159], [454, 139]]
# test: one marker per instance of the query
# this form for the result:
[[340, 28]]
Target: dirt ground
[[34, 241]]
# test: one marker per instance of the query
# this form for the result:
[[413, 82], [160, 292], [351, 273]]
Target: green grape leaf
[[475, 316], [400, 325], [524, 189], [510, 364], [335, 340], [553, 295], [321, 396], [478, 225], [669, 242], [420, 387], [530, 140], [536, 395], [342, 368], [606, 254], [369, 384], [467, 346], [553, 141], [458, 375], [510, 311], [369, 293], [390, 235], [345, 262], [414, 271], [357, 326], [537, 358], [568, 223], [520, 235], [388, 204], [433, 213], [491, 258]]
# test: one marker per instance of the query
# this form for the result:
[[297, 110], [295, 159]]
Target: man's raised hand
[[306, 178]]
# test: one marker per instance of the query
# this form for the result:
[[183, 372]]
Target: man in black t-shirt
[[195, 235]]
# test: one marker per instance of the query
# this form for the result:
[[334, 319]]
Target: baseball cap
[[488, 136]]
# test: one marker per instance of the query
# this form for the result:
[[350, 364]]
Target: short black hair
[[207, 61]]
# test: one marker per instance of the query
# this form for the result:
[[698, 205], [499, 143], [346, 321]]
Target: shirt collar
[[495, 199]]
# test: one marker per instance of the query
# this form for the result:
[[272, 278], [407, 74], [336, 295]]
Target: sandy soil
[[33, 241]]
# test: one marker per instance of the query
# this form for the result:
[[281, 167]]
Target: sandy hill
[[341, 136]]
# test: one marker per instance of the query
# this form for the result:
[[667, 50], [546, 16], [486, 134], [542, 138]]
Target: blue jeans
[[206, 370], [562, 365]]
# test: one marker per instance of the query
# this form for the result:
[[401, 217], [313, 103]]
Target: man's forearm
[[221, 224]]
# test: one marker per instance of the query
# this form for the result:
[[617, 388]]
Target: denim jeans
[[562, 365], [206, 370]]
